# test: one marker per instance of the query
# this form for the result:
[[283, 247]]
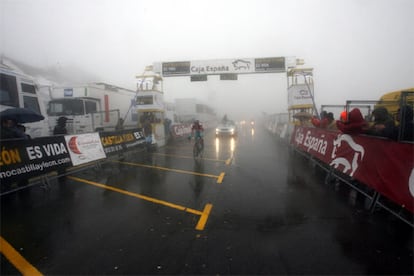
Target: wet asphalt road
[[248, 207]]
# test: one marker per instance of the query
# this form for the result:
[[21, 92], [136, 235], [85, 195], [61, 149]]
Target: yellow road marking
[[203, 215], [203, 219], [190, 157], [19, 262], [219, 177]]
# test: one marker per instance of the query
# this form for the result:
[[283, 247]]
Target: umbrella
[[304, 115], [21, 115]]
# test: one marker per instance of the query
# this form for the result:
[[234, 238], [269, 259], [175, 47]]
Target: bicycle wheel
[[200, 149], [195, 151]]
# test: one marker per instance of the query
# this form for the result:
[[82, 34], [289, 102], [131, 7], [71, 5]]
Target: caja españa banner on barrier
[[384, 165], [23, 159], [115, 142], [180, 130]]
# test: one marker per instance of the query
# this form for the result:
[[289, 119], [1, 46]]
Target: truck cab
[[84, 114], [20, 90], [91, 107]]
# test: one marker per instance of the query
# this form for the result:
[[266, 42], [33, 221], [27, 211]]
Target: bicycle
[[198, 148]]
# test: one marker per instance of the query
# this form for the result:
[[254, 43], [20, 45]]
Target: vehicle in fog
[[227, 128], [92, 107], [20, 90]]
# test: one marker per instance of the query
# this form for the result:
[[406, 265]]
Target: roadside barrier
[[25, 163], [380, 169]]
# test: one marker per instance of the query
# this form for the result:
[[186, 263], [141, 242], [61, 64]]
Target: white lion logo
[[347, 165]]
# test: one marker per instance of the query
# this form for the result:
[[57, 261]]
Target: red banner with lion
[[384, 165]]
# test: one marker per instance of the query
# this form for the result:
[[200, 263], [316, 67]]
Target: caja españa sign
[[386, 166], [224, 66]]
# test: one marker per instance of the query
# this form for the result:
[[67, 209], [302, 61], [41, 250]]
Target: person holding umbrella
[[10, 118], [10, 130], [60, 129]]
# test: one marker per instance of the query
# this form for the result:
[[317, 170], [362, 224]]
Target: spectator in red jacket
[[355, 123], [323, 122]]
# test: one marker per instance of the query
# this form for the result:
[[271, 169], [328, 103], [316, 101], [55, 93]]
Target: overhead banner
[[299, 95], [384, 165], [24, 159], [115, 142], [176, 68], [225, 66]]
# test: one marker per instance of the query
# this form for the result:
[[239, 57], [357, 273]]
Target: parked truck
[[92, 107], [18, 89]]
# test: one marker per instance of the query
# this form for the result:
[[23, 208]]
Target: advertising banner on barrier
[[384, 165], [115, 142], [84, 148], [180, 130], [23, 159]]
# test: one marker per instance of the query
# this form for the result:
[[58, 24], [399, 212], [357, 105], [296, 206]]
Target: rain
[[239, 137], [359, 49]]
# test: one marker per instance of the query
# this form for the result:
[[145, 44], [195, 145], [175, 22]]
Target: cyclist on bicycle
[[197, 131]]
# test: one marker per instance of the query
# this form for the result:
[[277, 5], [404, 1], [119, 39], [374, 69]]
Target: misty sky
[[359, 49]]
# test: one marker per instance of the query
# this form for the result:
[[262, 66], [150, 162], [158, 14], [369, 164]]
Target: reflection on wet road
[[248, 207]]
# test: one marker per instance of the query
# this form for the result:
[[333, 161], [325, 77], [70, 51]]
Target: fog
[[359, 49]]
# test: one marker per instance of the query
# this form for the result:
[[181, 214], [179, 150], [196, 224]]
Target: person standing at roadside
[[322, 122], [11, 130], [120, 124], [60, 129], [148, 133], [405, 130], [355, 123], [331, 122], [383, 123]]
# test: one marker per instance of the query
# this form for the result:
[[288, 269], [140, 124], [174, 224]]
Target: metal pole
[[313, 99]]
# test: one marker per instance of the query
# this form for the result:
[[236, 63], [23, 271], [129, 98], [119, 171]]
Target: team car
[[226, 129]]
